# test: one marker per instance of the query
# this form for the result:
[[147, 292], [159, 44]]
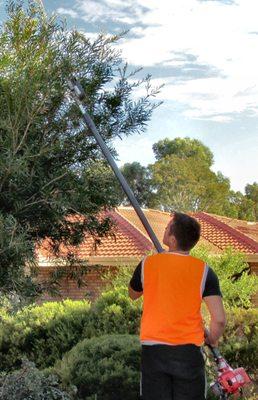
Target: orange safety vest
[[172, 296]]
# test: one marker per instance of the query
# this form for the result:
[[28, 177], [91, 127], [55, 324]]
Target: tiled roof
[[127, 241], [223, 235], [131, 240], [216, 232]]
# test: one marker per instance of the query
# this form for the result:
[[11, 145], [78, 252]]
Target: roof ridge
[[133, 230], [145, 209], [235, 233], [132, 224]]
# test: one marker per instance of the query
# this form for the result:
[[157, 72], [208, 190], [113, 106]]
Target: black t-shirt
[[211, 287]]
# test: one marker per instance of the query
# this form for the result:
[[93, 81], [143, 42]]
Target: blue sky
[[206, 54]]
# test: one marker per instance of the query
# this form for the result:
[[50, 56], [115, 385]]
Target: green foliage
[[251, 191], [50, 166], [181, 179], [107, 367], [183, 148], [237, 284], [42, 333], [240, 339], [30, 383], [187, 184], [115, 312], [138, 178]]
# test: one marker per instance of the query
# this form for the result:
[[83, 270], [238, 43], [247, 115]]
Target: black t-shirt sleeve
[[136, 281], [211, 287]]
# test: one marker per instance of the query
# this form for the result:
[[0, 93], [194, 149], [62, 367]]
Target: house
[[131, 243]]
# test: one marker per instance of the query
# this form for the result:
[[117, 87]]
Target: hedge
[[107, 368], [30, 383], [42, 333]]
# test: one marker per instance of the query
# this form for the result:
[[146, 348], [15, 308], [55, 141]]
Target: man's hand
[[209, 339], [133, 294]]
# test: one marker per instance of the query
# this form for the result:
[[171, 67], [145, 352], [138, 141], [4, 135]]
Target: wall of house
[[95, 284]]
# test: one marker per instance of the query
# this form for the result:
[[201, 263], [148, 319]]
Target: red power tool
[[230, 381]]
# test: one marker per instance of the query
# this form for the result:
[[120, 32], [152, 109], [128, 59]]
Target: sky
[[205, 52]]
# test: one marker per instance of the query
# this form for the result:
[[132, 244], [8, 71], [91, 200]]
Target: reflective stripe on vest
[[172, 296]]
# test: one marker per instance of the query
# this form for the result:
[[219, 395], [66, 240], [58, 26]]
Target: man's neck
[[186, 253]]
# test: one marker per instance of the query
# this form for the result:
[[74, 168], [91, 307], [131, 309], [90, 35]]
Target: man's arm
[[218, 319], [133, 294], [135, 289]]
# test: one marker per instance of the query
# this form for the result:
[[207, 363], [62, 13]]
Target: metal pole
[[79, 95]]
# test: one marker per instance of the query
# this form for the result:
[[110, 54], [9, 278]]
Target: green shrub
[[30, 383], [237, 286], [240, 340], [42, 333], [115, 312], [107, 367]]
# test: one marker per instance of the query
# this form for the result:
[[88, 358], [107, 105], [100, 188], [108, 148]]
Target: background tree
[[182, 179], [187, 184], [183, 148], [138, 178], [50, 166], [251, 191]]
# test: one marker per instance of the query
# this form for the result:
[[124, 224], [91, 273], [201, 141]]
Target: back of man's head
[[186, 231]]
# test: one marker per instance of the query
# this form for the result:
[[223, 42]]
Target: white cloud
[[67, 11], [106, 10], [219, 36]]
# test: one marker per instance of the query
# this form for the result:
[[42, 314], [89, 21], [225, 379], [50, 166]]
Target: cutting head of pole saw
[[76, 88], [230, 382]]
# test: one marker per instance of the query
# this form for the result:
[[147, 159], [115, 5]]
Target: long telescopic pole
[[79, 95]]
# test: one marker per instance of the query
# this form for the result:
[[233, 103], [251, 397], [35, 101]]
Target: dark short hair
[[186, 231]]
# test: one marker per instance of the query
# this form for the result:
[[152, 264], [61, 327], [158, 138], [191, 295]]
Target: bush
[[114, 312], [30, 383], [42, 333], [237, 285], [240, 340], [107, 367]]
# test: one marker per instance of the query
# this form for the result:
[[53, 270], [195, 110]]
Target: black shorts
[[172, 373]]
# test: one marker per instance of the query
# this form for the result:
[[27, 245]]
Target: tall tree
[[251, 191], [50, 166], [138, 178], [188, 184], [183, 148]]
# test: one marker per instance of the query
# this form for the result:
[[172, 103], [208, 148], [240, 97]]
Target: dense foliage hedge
[[237, 284], [30, 383], [45, 333], [115, 312], [107, 368], [42, 333], [240, 340]]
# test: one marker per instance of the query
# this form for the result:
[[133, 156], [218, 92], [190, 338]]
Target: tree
[[183, 148], [52, 182], [241, 207], [251, 191], [188, 184], [183, 180], [139, 181]]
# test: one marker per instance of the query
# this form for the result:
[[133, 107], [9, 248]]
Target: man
[[173, 285]]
